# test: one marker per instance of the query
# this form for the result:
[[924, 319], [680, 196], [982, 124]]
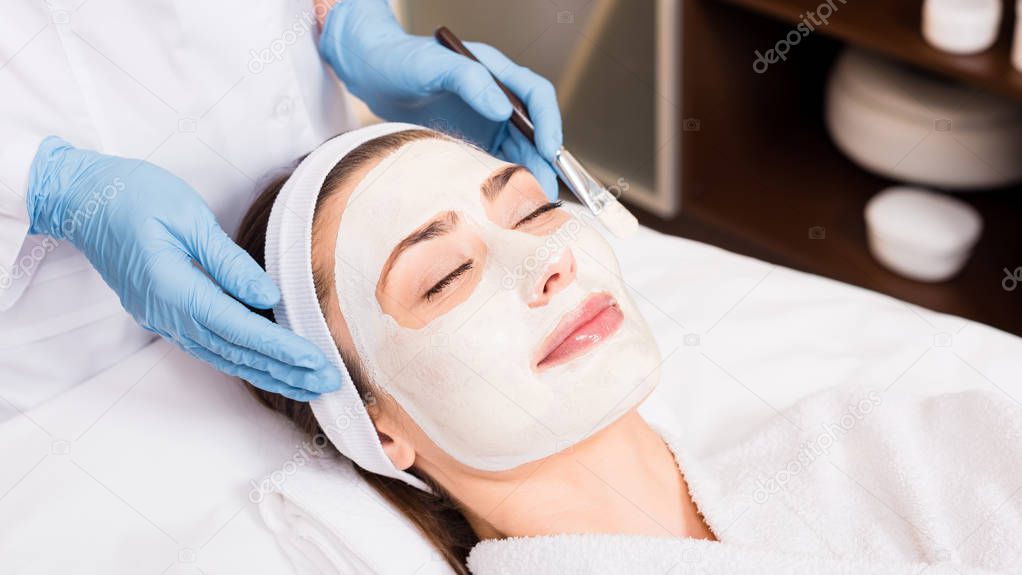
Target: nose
[[558, 274]]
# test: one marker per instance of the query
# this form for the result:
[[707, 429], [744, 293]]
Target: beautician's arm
[[414, 79], [143, 229]]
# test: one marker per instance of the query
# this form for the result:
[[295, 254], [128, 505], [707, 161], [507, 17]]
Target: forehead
[[417, 181], [402, 192]]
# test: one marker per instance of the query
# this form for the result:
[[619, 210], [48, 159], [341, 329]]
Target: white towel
[[846, 481], [635, 555], [328, 521]]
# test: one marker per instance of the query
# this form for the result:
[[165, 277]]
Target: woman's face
[[497, 320]]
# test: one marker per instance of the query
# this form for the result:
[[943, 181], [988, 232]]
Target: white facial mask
[[466, 378]]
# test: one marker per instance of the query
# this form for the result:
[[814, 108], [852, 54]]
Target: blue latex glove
[[142, 228], [415, 79]]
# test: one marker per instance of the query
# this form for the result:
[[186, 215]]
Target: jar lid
[[902, 90], [961, 26], [922, 218]]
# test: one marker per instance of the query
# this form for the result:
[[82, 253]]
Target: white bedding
[[147, 468], [850, 480]]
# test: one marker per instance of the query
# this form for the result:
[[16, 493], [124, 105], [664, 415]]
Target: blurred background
[[767, 126]]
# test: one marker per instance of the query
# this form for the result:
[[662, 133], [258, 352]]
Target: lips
[[580, 330]]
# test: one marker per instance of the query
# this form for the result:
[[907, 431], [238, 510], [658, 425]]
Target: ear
[[396, 443]]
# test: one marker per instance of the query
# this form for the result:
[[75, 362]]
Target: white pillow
[[741, 339]]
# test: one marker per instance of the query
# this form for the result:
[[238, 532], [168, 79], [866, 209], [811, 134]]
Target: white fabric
[[147, 468], [741, 339], [341, 414], [858, 481], [172, 445], [217, 93], [322, 535], [613, 554]]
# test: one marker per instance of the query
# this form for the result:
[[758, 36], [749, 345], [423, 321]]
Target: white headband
[[341, 414]]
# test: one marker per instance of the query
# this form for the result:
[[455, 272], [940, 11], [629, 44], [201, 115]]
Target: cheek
[[592, 244], [426, 451]]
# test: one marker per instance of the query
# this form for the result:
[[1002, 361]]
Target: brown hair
[[436, 515]]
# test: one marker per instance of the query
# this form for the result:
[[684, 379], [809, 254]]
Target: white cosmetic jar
[[961, 26], [922, 235], [912, 127]]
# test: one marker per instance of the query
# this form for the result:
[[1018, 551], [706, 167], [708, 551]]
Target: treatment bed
[[154, 466]]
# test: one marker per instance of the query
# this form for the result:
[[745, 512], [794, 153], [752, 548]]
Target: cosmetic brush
[[593, 194]]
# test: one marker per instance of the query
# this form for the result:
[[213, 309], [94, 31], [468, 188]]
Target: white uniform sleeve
[[20, 254], [41, 96]]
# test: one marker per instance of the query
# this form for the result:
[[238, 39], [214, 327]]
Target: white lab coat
[[219, 93]]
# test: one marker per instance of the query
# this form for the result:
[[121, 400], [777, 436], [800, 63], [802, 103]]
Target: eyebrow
[[496, 183], [439, 226]]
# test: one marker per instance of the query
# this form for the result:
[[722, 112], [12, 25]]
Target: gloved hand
[[142, 228], [415, 79]]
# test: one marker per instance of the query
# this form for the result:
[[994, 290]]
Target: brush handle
[[519, 116]]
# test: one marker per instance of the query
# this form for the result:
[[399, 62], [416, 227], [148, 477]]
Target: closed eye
[[539, 212], [441, 285]]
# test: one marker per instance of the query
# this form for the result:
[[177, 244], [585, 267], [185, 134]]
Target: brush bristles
[[618, 220]]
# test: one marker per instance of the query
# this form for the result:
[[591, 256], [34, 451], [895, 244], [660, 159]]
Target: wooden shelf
[[796, 200], [761, 170], [893, 28]]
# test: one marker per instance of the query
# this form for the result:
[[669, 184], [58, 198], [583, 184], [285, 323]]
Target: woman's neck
[[621, 480]]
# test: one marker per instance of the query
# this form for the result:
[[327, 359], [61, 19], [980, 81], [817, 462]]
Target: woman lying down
[[496, 375]]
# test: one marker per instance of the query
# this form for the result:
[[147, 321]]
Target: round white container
[[1016, 42], [961, 26], [909, 126], [922, 235]]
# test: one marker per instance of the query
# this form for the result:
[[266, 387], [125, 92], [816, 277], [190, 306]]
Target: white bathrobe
[[846, 481]]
